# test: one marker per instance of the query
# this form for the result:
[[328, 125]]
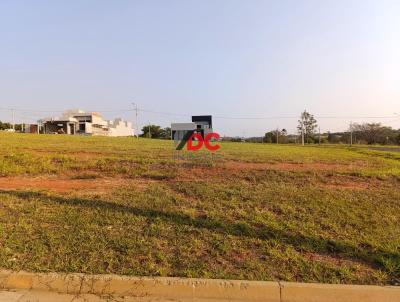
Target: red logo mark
[[200, 141]]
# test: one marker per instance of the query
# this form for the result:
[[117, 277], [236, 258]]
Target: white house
[[86, 123], [119, 127]]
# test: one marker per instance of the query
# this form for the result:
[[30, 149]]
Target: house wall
[[94, 124], [99, 130], [53, 127], [88, 128], [118, 127], [31, 128], [98, 120]]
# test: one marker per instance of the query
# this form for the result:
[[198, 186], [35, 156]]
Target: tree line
[[307, 131], [5, 126], [364, 133], [367, 133], [155, 131]]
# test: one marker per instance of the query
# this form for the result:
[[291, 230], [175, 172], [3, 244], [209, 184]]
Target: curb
[[182, 289], [316, 292]]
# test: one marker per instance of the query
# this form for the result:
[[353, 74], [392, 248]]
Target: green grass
[[263, 212]]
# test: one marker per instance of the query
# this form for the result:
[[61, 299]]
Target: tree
[[283, 136], [4, 126], [151, 131], [270, 137], [156, 132], [375, 133], [165, 133], [308, 125]]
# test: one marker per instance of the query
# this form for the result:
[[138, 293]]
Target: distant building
[[86, 123], [119, 127], [182, 131], [201, 124], [31, 128]]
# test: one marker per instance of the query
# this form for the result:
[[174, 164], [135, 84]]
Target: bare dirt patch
[[339, 261], [352, 183], [288, 166], [347, 184], [200, 173], [68, 185], [235, 169]]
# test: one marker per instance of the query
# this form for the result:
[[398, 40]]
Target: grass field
[[261, 212]]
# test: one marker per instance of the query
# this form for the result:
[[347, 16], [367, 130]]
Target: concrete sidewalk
[[43, 296]]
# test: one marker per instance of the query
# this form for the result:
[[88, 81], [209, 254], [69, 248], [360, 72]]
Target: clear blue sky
[[231, 58]]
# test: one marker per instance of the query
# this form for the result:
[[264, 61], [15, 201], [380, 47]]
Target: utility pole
[[149, 131], [13, 123], [351, 133], [302, 133], [136, 120], [277, 135], [319, 135]]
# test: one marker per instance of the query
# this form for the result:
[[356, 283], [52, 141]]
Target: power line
[[270, 117], [59, 111], [31, 110], [214, 116], [163, 113]]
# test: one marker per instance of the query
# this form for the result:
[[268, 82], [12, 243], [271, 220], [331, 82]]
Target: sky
[[253, 65]]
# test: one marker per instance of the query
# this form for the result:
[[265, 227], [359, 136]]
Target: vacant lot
[[262, 212]]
